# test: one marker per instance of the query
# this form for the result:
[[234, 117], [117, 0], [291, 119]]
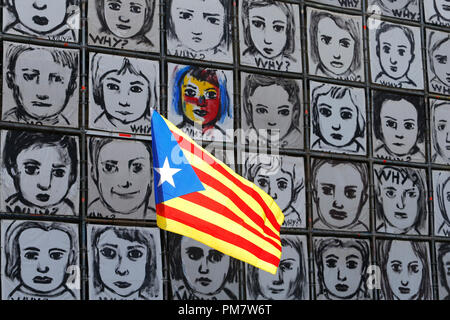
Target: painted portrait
[[47, 19], [291, 280], [40, 85], [347, 4], [405, 270], [198, 272], [441, 203], [400, 200], [124, 24], [40, 260], [335, 47], [40, 173], [272, 111], [399, 125], [437, 12], [395, 55], [124, 263], [440, 130], [120, 179], [443, 267], [438, 62], [201, 102], [283, 178], [402, 9], [341, 268], [338, 118], [200, 29], [123, 93], [270, 35], [340, 193]]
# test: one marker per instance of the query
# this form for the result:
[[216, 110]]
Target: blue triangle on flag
[[167, 154]]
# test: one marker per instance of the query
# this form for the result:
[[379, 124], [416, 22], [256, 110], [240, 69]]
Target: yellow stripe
[[222, 222], [223, 246]]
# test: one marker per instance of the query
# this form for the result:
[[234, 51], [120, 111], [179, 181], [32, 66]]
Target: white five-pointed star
[[166, 173]]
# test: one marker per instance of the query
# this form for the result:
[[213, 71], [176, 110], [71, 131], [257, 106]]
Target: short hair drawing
[[438, 62], [441, 199], [443, 265], [440, 131], [437, 13]]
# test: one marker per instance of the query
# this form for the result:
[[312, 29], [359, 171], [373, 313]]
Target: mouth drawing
[[404, 290], [446, 7], [200, 112], [275, 291], [123, 27], [268, 51], [338, 215], [398, 144], [124, 113], [401, 215], [393, 68], [42, 21], [43, 197], [204, 281], [122, 284], [42, 280], [341, 287], [197, 39], [336, 136], [125, 195], [447, 147], [40, 104], [337, 64]]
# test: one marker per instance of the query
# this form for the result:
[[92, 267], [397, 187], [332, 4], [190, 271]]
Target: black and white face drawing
[[201, 102], [405, 270], [290, 282], [340, 191], [124, 263], [121, 179], [199, 29], [443, 267], [437, 12], [403, 9], [123, 93], [40, 260], [48, 19], [40, 85], [40, 173], [348, 4], [282, 177], [335, 45], [338, 118], [341, 268], [400, 200], [269, 35], [272, 113], [440, 131], [438, 61], [200, 272], [441, 202], [399, 125], [395, 55], [124, 24]]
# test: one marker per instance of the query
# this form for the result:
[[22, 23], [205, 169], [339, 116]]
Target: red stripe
[[216, 232], [219, 208], [190, 147]]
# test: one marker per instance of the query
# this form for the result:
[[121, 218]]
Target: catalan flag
[[200, 197]]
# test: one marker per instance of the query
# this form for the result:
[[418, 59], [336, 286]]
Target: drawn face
[[125, 18], [41, 16], [404, 270], [442, 130], [446, 265], [204, 268], [41, 84], [399, 126], [446, 197], [338, 120], [442, 8], [339, 197], [126, 96], [121, 263], [44, 258], [342, 271], [124, 175], [278, 185], [279, 286], [395, 53], [198, 24], [441, 62], [399, 197], [336, 47], [272, 112], [43, 175], [395, 4], [201, 101], [268, 30]]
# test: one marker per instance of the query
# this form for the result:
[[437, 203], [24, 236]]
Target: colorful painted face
[[198, 24], [441, 62], [121, 263], [41, 16], [336, 47], [442, 130], [395, 4], [204, 268], [443, 8], [201, 101], [41, 83], [268, 30], [44, 258], [125, 18], [404, 270]]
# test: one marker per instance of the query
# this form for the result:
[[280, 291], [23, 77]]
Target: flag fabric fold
[[200, 197]]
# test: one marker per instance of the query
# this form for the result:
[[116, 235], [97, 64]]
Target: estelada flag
[[200, 197]]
